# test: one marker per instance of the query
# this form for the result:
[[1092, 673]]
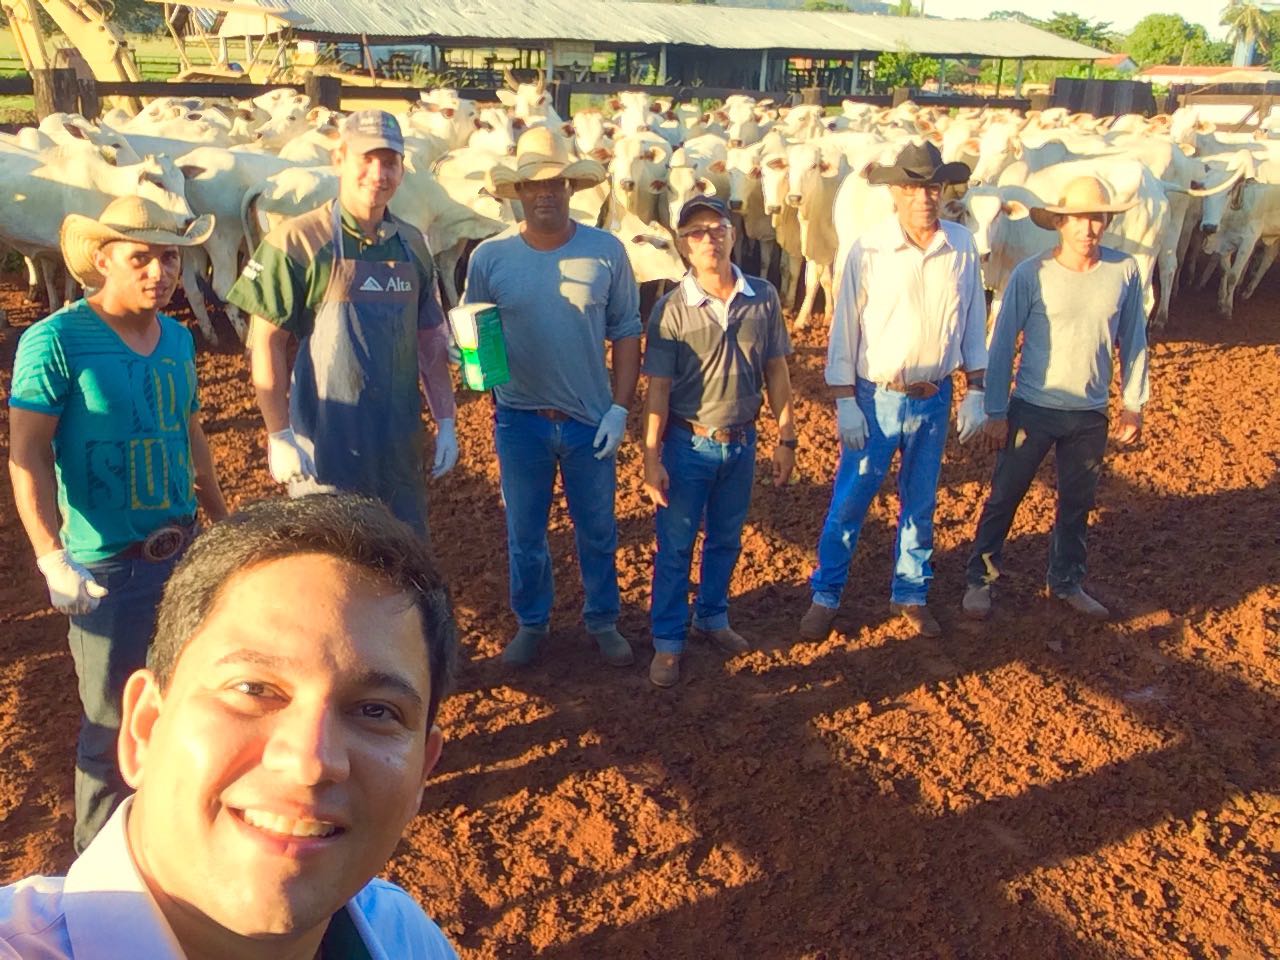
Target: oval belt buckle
[[163, 543]]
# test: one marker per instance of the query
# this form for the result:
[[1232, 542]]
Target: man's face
[[276, 773], [368, 181], [706, 241], [546, 204], [1082, 234], [917, 205], [140, 276]]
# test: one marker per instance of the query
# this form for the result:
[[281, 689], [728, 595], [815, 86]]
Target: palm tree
[[1250, 29]]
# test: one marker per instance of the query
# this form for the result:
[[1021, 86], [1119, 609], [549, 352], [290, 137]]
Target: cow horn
[[1226, 184], [510, 78], [542, 80]]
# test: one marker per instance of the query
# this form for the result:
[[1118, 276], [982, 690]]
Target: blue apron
[[354, 401]]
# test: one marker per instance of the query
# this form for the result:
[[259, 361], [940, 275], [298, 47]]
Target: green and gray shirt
[[286, 278], [716, 354]]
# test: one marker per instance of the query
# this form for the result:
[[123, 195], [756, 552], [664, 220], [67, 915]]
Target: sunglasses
[[718, 232]]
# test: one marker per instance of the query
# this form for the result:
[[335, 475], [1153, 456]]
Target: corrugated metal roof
[[517, 22]]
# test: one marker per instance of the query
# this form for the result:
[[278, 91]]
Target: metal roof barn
[[625, 24]]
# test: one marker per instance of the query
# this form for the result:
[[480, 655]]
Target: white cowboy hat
[[541, 155], [1083, 195], [132, 219]]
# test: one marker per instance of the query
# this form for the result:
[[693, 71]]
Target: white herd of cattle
[[792, 176]]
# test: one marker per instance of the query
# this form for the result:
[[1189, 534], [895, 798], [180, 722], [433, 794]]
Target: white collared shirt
[[102, 910], [695, 296], [905, 314]]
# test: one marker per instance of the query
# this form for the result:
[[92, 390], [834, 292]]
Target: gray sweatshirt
[[1071, 323]]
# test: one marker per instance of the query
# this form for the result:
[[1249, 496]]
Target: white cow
[[638, 176], [812, 186]]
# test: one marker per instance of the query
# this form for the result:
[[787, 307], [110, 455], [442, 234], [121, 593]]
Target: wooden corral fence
[[1103, 98], [1253, 100], [59, 91]]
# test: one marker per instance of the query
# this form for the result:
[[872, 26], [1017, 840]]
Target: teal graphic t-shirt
[[122, 451]]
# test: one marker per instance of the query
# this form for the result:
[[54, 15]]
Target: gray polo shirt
[[716, 357]]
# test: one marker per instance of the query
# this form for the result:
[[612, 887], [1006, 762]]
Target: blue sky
[[1121, 15]]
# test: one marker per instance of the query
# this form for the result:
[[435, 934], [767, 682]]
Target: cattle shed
[[687, 44]]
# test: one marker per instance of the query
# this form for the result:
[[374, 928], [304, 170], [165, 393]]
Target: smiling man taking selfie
[[278, 742]]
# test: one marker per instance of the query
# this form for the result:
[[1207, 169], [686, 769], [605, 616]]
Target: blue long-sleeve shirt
[[1071, 323]]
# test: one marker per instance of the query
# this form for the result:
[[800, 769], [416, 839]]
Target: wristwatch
[[791, 444]]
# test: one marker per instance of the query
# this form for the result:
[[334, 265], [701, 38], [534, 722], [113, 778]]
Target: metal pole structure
[[764, 70], [942, 75], [857, 73], [662, 65], [999, 75], [1017, 80]]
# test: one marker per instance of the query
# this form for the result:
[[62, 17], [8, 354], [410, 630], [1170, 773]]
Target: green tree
[[1079, 29], [1163, 38], [1249, 26], [1210, 53], [1014, 15], [824, 6], [903, 69]]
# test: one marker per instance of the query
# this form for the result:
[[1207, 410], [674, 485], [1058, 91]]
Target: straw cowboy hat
[[541, 155], [133, 219], [918, 163], [1083, 195]]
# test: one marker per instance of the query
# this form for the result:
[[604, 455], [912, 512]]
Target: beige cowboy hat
[[541, 155], [1083, 195], [133, 219]]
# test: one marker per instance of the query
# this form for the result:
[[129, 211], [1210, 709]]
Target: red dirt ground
[[1033, 787]]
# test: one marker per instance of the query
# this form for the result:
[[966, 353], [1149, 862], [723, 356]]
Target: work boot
[[664, 671], [977, 601], [816, 622], [1082, 603], [727, 639], [918, 615], [523, 648], [617, 652]]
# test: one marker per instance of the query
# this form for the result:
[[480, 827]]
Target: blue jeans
[[709, 481], [530, 450], [108, 645], [1079, 441], [896, 423]]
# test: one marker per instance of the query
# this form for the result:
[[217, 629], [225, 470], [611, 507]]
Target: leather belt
[[163, 543], [735, 434], [918, 390], [549, 413]]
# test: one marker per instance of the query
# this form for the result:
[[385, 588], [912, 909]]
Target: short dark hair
[[345, 526]]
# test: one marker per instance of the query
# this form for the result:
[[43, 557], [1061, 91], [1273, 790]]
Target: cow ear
[[705, 187], [615, 104], [108, 154], [953, 209], [824, 167], [776, 163], [191, 171], [567, 129], [755, 173], [657, 154], [601, 155], [1015, 210], [517, 123], [717, 166], [609, 129], [972, 147], [507, 98]]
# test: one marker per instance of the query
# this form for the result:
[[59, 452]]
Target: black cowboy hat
[[918, 163]]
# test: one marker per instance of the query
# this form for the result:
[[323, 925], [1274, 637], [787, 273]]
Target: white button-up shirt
[[695, 296], [903, 314], [102, 910]]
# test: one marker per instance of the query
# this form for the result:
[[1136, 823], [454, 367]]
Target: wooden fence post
[[901, 95], [811, 95], [323, 90], [56, 91], [90, 102], [562, 94]]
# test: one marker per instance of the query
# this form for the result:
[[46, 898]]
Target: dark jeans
[[107, 646], [1079, 441]]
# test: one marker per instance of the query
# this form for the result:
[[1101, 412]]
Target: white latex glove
[[286, 460], [612, 429], [446, 447], [851, 423], [72, 589], [970, 417]]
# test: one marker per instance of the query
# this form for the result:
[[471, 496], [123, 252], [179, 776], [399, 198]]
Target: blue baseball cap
[[367, 130], [702, 202]]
